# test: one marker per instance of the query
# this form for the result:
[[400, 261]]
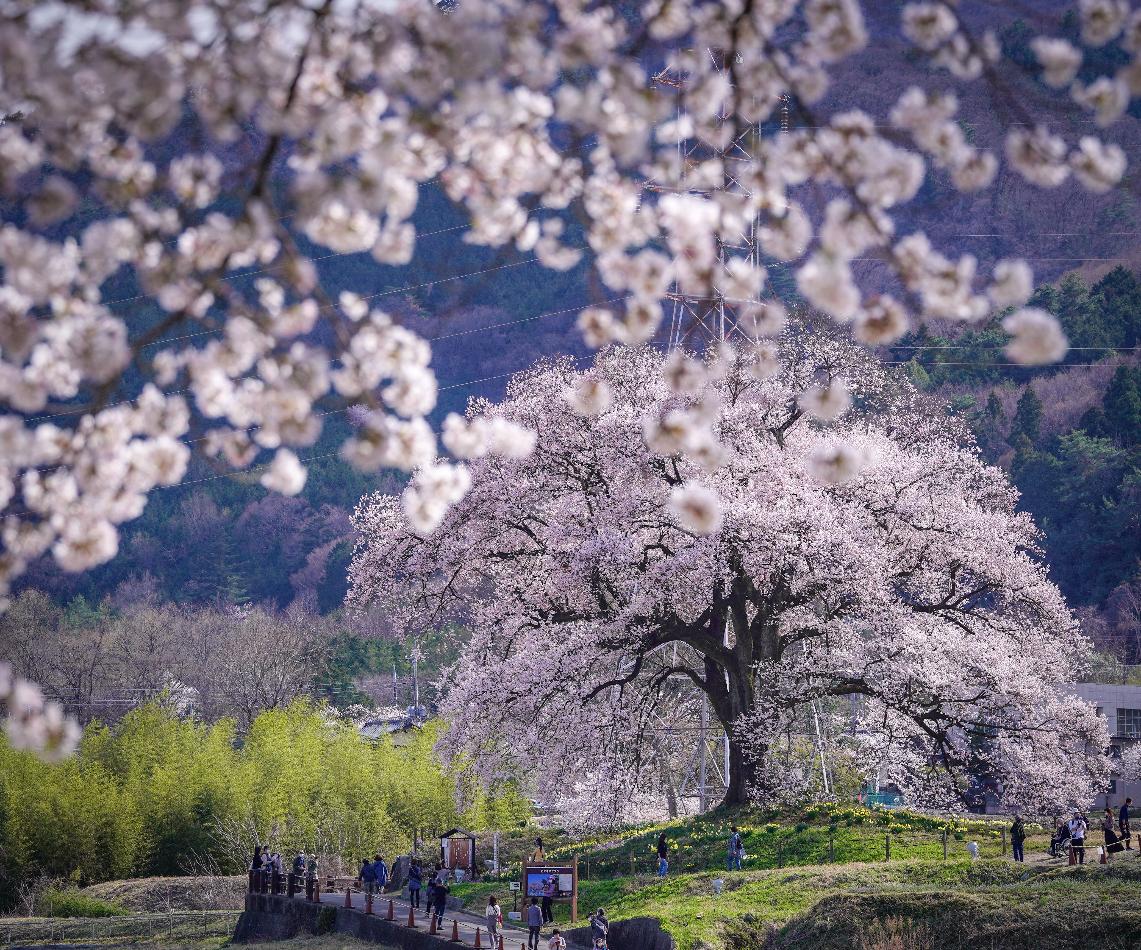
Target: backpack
[[368, 873]]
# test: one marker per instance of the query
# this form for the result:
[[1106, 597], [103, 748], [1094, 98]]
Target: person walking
[[368, 876], [380, 869], [493, 914], [557, 941], [663, 855], [534, 924], [1078, 826], [1123, 824], [736, 849], [415, 882], [440, 900], [1018, 837]]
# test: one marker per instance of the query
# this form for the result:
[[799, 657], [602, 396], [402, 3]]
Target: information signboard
[[556, 882]]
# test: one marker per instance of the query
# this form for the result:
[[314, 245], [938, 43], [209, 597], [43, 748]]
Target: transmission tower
[[697, 322]]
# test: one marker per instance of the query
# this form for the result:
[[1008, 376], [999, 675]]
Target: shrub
[[326, 920], [56, 903]]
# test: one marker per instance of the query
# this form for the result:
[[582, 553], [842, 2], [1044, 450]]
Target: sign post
[[574, 893], [552, 882]]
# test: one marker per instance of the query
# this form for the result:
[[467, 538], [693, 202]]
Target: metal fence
[[183, 925]]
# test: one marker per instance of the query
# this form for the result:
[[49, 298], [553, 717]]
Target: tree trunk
[[742, 775], [731, 695]]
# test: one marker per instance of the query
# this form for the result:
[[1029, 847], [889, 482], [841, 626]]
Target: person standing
[[415, 882], [1078, 827], [663, 855], [1110, 836], [1018, 837], [1123, 824], [599, 926], [535, 923], [493, 914], [550, 892], [255, 870], [380, 869], [736, 849], [537, 856]]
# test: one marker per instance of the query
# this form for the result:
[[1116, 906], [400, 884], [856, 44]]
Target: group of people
[[269, 863], [375, 875], [493, 916], [735, 853], [1074, 831]]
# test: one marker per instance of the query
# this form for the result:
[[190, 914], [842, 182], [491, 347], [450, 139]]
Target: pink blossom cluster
[[613, 564]]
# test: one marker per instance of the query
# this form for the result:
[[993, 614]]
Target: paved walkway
[[467, 925]]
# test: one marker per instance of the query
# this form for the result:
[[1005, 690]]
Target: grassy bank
[[960, 904], [817, 835]]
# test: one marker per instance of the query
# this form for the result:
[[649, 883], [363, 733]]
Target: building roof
[[455, 832]]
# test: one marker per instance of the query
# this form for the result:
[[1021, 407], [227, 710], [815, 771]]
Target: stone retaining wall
[[275, 917]]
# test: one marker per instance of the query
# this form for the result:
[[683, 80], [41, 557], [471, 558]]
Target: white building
[[1121, 707]]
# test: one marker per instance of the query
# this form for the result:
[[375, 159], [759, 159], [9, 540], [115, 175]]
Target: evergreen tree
[[1028, 416], [1117, 297], [1122, 404]]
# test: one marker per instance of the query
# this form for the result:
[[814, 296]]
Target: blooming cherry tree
[[738, 550], [203, 157]]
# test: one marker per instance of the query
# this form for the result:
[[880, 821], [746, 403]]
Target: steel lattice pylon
[[695, 323]]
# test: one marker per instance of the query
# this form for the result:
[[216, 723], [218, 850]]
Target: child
[[440, 900], [557, 941]]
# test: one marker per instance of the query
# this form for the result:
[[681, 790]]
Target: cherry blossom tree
[[602, 569], [201, 158]]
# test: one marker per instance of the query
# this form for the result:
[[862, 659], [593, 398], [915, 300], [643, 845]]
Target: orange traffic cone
[[431, 923], [501, 942], [456, 931], [390, 909], [368, 903], [349, 897], [411, 916], [476, 944]]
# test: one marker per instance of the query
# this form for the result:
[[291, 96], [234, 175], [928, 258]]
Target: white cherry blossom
[[1037, 337]]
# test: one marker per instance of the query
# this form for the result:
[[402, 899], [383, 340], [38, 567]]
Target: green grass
[[76, 904], [833, 906], [811, 836]]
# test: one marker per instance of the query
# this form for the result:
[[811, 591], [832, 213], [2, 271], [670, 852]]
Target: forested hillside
[[1069, 435]]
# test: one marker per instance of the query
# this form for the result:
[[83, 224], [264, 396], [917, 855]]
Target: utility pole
[[703, 767]]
